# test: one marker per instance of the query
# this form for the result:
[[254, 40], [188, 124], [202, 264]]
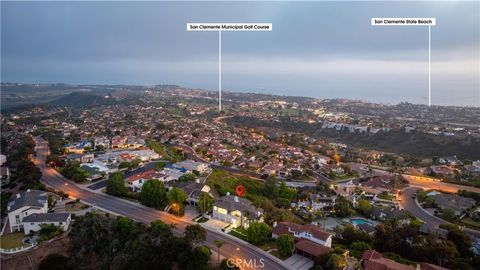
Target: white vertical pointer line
[[429, 66], [219, 70]]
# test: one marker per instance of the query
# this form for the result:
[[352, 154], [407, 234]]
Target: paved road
[[432, 183], [410, 204], [232, 248]]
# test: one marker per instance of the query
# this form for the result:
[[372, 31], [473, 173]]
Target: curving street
[[410, 204], [232, 248]]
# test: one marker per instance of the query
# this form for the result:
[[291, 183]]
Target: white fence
[[16, 250]]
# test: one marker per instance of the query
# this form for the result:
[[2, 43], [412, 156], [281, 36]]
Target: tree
[[116, 184], [350, 235], [364, 207], [187, 177], [270, 188], [54, 261], [461, 241], [153, 194], [49, 231], [448, 214], [205, 203], [336, 262], [285, 245], [343, 207], [258, 232], [176, 199], [100, 147], [218, 244], [195, 234], [121, 243], [360, 246]]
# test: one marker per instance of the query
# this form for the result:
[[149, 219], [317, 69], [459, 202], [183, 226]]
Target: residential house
[[389, 213], [236, 211], [33, 222], [373, 260], [451, 160], [310, 240], [29, 209], [322, 202], [78, 148], [191, 166], [135, 182], [102, 141], [472, 170], [24, 204], [452, 201], [82, 158], [441, 171], [194, 189]]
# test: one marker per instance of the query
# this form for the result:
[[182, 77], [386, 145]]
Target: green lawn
[[238, 234], [12, 240], [223, 182], [267, 245]]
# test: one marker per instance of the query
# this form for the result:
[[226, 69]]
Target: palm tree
[[219, 244]]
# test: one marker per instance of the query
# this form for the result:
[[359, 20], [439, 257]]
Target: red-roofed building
[[311, 240], [136, 181], [373, 260], [310, 249]]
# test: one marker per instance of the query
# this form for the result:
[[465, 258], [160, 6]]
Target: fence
[[16, 250]]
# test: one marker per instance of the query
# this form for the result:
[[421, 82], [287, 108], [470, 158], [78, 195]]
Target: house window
[[31, 223], [60, 223], [26, 213]]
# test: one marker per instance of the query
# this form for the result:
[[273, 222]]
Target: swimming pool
[[358, 221]]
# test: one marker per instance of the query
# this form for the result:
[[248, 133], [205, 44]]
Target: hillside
[[395, 141]]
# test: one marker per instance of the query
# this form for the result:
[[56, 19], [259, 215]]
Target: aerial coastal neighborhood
[[302, 201]]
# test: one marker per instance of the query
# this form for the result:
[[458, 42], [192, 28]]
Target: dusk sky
[[317, 49]]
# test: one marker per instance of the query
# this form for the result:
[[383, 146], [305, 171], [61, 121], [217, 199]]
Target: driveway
[[299, 262]]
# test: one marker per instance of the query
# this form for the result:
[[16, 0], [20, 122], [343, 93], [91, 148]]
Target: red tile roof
[[311, 248], [373, 260], [144, 175]]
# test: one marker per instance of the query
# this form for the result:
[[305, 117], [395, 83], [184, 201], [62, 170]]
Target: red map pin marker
[[240, 190]]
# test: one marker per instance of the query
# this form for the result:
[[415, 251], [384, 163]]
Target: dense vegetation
[[102, 242], [166, 151], [398, 241], [23, 170]]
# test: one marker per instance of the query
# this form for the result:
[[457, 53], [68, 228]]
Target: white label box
[[229, 27], [403, 21]]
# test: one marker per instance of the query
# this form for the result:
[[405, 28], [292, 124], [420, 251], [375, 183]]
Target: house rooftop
[[283, 228], [311, 247], [373, 260], [47, 217], [232, 203], [32, 198]]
